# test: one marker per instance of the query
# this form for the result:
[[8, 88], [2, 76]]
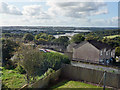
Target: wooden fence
[[90, 75], [79, 73], [42, 83]]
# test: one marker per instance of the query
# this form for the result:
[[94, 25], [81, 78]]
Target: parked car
[[44, 50]]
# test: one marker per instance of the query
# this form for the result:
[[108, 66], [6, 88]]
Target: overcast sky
[[51, 13]]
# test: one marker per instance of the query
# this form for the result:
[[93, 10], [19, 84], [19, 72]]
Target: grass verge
[[12, 79]]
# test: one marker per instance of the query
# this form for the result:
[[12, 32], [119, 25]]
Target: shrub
[[49, 71], [54, 60], [4, 87], [20, 69], [8, 47]]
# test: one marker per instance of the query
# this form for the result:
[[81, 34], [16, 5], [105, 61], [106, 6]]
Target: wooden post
[[104, 80]]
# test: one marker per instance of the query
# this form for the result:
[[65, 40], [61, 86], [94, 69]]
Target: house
[[70, 47], [93, 51], [54, 46]]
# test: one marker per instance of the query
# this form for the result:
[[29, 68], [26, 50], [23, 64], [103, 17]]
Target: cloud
[[35, 11], [57, 13], [113, 21], [32, 10], [77, 9], [9, 9], [115, 18], [102, 11]]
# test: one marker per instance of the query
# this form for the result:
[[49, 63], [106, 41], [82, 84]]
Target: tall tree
[[43, 37], [8, 47], [36, 63], [62, 40], [77, 38], [28, 37]]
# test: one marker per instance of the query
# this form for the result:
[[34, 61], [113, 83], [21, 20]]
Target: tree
[[44, 36], [77, 38], [31, 60], [36, 63], [117, 51], [51, 37], [62, 40], [8, 47], [28, 37], [114, 42]]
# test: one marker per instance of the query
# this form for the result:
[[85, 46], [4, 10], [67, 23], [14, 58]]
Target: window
[[107, 53], [105, 50], [101, 53]]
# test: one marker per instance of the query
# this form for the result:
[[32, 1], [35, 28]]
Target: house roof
[[72, 44], [99, 45], [70, 47]]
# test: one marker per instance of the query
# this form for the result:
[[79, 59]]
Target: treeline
[[102, 33], [13, 35]]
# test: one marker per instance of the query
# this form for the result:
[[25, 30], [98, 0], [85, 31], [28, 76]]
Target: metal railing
[[83, 60]]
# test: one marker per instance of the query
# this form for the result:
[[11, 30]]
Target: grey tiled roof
[[99, 45]]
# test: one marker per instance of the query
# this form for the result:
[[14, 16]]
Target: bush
[[9, 64], [49, 71], [4, 87], [20, 69], [54, 60]]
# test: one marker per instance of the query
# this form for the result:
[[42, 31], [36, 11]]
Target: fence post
[[104, 80]]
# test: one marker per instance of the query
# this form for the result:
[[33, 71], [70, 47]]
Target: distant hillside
[[46, 28]]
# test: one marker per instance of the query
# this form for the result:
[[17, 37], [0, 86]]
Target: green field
[[74, 84], [113, 36]]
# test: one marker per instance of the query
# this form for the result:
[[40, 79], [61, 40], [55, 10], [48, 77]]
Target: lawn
[[12, 79], [73, 84], [113, 36]]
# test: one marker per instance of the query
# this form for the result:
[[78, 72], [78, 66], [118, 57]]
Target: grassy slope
[[73, 84], [12, 79], [113, 36]]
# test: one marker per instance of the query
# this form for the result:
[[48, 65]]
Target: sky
[[93, 13]]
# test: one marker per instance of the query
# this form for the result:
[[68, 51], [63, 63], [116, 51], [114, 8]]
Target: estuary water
[[71, 34]]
